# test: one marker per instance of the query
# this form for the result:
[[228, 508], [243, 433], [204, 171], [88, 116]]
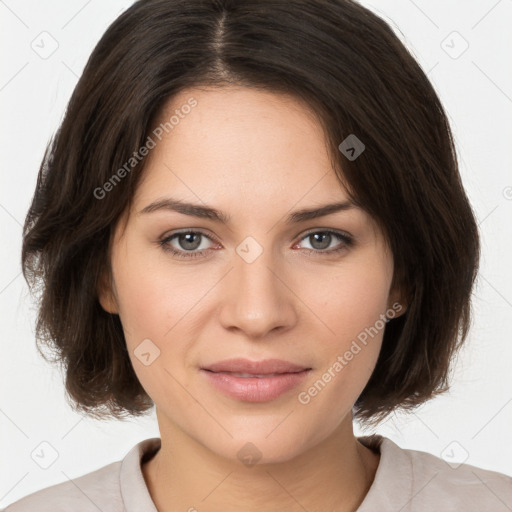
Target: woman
[[253, 215]]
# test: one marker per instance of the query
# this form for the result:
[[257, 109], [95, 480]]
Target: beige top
[[405, 481]]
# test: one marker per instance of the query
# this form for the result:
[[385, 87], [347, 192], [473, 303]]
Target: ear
[[105, 293], [398, 302]]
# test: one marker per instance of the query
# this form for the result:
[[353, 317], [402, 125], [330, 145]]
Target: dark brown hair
[[349, 66]]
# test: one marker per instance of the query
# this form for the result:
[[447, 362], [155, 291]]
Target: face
[[192, 291]]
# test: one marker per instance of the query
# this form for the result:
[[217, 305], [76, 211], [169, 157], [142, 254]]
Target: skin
[[257, 156]]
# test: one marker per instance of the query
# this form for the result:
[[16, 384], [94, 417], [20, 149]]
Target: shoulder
[[97, 490], [117, 487], [417, 481], [460, 486]]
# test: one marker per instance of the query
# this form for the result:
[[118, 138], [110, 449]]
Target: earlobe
[[396, 309], [397, 304], [105, 294]]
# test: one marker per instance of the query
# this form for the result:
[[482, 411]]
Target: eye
[[187, 243], [321, 240]]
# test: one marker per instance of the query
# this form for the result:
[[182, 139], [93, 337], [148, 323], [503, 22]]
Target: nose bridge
[[256, 299]]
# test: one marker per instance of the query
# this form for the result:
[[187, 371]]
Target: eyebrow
[[206, 212]]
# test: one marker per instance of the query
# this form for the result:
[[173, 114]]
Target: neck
[[334, 475]]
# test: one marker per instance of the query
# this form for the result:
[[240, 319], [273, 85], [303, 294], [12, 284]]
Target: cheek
[[352, 301], [155, 305], [141, 302], [152, 301], [351, 306]]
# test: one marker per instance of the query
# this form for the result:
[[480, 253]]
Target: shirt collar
[[134, 491], [393, 461], [393, 472]]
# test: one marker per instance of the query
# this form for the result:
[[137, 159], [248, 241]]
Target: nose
[[256, 298]]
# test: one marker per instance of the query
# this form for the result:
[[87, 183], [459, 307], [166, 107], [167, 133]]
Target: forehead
[[238, 141]]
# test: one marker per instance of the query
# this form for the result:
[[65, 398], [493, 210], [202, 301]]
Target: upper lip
[[241, 365]]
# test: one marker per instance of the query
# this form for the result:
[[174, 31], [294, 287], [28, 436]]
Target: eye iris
[[186, 240], [324, 243]]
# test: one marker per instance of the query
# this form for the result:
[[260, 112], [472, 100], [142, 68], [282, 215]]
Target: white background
[[472, 422]]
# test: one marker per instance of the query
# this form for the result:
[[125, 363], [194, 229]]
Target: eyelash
[[164, 243]]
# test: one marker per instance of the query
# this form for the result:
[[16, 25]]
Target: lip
[[272, 378], [241, 365]]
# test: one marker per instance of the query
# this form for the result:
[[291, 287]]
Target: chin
[[270, 443]]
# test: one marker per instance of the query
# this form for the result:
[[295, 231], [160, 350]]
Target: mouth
[[255, 381], [254, 375], [246, 367]]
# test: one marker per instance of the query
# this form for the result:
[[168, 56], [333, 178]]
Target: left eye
[[191, 241], [324, 239]]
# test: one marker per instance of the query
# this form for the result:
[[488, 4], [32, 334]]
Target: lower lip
[[255, 389]]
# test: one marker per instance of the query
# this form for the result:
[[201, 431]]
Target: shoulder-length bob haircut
[[348, 65]]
